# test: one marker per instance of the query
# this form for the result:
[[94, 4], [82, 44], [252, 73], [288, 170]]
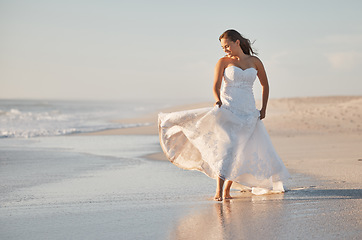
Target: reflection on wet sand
[[232, 219], [300, 213]]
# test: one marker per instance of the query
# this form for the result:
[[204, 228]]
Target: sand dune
[[315, 115]]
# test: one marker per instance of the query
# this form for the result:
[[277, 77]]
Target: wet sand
[[116, 184]]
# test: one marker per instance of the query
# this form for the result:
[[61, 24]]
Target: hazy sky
[[118, 49]]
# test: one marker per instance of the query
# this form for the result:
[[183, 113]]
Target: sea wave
[[44, 132], [22, 119]]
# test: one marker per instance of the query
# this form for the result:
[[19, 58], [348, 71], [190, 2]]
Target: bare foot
[[227, 196], [218, 196]]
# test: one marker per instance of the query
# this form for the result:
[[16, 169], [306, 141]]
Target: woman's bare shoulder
[[224, 61]]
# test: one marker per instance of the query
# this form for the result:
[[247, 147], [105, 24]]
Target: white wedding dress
[[228, 142]]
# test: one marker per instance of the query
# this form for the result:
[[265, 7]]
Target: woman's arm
[[265, 86], [218, 74]]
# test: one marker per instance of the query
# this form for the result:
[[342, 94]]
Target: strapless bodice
[[237, 92], [237, 77]]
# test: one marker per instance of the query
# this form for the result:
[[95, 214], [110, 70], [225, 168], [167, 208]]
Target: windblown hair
[[234, 35]]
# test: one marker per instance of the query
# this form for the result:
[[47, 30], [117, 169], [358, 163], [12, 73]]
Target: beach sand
[[117, 184]]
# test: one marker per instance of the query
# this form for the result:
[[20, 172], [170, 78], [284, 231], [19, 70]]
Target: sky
[[142, 50]]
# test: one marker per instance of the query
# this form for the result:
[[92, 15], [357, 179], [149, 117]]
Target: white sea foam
[[26, 119]]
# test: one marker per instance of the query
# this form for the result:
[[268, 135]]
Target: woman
[[228, 142]]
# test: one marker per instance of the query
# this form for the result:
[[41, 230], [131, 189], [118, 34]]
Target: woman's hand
[[262, 113], [219, 103]]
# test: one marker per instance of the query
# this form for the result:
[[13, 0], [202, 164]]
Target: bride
[[228, 142]]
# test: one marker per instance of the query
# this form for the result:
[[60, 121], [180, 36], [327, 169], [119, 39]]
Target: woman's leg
[[219, 187], [227, 189]]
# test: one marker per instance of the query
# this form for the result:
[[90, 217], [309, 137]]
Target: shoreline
[[149, 119]]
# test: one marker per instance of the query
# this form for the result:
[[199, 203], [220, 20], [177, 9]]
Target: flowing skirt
[[222, 144]]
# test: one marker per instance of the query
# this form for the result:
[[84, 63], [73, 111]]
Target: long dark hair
[[234, 35]]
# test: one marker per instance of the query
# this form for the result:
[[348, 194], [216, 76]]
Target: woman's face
[[230, 48]]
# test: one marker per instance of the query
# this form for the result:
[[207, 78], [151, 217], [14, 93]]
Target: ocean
[[35, 118], [39, 144]]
